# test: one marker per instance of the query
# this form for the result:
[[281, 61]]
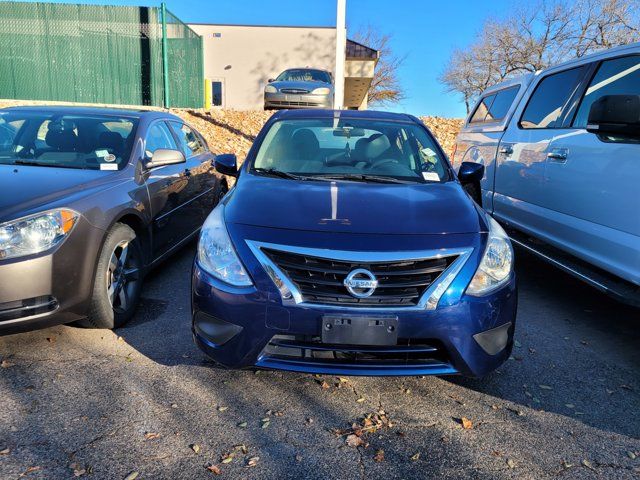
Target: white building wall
[[245, 57]]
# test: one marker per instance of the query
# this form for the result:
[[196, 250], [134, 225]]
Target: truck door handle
[[506, 150], [558, 155]]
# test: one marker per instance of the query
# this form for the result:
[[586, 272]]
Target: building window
[[216, 94]]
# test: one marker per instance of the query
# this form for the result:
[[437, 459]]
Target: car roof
[[74, 110], [343, 114]]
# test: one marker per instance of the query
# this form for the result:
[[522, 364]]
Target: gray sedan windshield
[[93, 142]]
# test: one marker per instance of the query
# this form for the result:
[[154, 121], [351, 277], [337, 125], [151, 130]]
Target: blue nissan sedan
[[349, 246]]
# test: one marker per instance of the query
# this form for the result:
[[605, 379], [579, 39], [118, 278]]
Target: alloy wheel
[[123, 273]]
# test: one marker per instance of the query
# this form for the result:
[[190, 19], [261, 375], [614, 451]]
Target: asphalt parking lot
[[143, 400]]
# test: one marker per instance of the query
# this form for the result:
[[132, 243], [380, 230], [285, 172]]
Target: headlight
[[321, 91], [35, 233], [216, 254], [270, 89], [496, 265]]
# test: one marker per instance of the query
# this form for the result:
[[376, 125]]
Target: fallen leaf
[[195, 447], [227, 459], [545, 387], [174, 405], [415, 456], [379, 456], [354, 440], [132, 475], [466, 423], [569, 405], [343, 379], [215, 469], [223, 409], [587, 464], [360, 400], [253, 461], [51, 339], [517, 343], [242, 424], [6, 451], [151, 435], [324, 385], [630, 454], [265, 424], [6, 364], [511, 463], [242, 447]]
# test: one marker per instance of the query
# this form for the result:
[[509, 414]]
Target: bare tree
[[537, 36], [385, 87]]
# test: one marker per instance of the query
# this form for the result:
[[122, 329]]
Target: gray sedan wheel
[[118, 280]]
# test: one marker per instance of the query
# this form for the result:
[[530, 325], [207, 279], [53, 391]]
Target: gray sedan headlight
[[35, 233], [496, 264], [216, 254]]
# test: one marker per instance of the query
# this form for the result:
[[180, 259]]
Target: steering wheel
[[382, 161]]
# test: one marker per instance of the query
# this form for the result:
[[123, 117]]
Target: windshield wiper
[[272, 172], [360, 177], [34, 163]]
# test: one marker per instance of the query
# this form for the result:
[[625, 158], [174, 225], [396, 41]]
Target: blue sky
[[426, 31]]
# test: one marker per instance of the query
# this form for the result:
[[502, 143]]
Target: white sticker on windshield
[[102, 153], [431, 176], [108, 166], [428, 152]]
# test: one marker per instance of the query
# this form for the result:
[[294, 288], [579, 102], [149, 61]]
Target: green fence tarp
[[96, 54]]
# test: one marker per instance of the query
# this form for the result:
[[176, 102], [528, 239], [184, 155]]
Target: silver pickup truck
[[561, 150]]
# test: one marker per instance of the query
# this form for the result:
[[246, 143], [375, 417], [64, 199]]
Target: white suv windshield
[[355, 148]]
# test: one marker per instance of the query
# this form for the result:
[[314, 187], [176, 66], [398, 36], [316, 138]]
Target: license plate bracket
[[360, 330]]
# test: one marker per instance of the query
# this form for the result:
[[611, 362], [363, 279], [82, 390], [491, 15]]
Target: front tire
[[118, 280]]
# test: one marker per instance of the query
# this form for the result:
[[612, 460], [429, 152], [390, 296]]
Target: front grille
[[295, 104], [296, 91], [309, 350], [320, 280]]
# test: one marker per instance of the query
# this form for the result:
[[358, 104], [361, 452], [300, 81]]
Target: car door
[[592, 180], [167, 187], [520, 182], [203, 181]]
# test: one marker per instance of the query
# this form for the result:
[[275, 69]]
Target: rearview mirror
[[470, 172], [227, 164], [165, 156], [615, 115]]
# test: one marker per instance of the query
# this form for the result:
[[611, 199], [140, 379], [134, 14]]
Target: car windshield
[[364, 150], [304, 75], [95, 142]]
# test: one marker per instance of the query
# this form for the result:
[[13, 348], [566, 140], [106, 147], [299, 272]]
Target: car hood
[[352, 207], [29, 189], [300, 84]]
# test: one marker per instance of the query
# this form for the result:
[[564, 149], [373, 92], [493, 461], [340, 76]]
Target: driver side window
[[159, 136]]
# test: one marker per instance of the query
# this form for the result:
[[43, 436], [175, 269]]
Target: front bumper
[[51, 288], [290, 101], [245, 327]]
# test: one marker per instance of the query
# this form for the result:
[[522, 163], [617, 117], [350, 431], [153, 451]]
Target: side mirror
[[164, 156], [227, 164], [470, 172], [271, 80], [615, 115]]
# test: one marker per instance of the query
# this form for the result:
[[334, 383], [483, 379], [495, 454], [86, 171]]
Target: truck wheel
[[118, 281]]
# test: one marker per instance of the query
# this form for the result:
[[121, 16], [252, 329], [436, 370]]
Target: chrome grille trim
[[291, 295]]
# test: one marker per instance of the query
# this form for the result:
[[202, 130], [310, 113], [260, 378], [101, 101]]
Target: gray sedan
[[91, 199], [300, 88]]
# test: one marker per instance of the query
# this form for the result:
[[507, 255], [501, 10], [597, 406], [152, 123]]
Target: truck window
[[494, 107], [483, 108], [549, 99], [620, 76]]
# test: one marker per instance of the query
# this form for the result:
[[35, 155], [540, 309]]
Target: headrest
[[378, 144], [111, 140], [305, 142], [61, 139]]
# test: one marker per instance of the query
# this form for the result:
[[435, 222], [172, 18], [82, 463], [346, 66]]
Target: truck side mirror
[[615, 115], [227, 164]]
